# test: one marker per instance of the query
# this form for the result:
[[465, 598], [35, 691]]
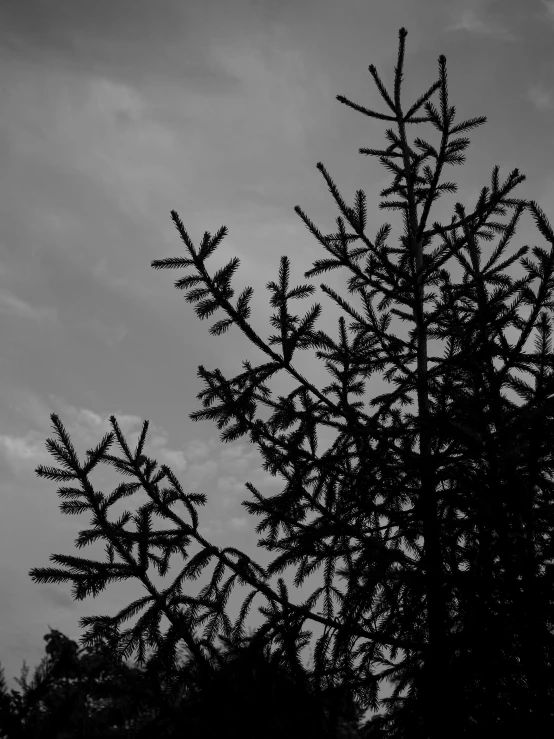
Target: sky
[[116, 112]]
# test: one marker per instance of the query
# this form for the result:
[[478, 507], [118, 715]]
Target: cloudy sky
[[116, 112]]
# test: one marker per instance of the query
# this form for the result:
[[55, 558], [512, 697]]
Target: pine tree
[[457, 583]]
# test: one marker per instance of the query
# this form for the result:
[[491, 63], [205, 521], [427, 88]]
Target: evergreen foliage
[[457, 583], [77, 692], [91, 694]]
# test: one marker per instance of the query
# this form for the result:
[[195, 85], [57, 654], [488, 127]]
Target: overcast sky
[[116, 112]]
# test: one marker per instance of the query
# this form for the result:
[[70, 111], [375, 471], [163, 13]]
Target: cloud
[[125, 37], [197, 473], [14, 306], [28, 406], [469, 20], [85, 427], [57, 598], [110, 335], [236, 459], [541, 98], [198, 449], [127, 151], [96, 130], [230, 490], [221, 472], [276, 78], [549, 6], [238, 524], [24, 452], [115, 102], [175, 459], [105, 274], [219, 526]]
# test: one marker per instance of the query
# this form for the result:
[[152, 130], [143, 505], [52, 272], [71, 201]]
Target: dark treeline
[[88, 693]]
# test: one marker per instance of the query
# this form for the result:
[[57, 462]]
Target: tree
[[78, 692], [89, 693], [250, 689], [457, 582]]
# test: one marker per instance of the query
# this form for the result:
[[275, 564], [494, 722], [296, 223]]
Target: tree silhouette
[[87, 693], [250, 688], [77, 692], [457, 583]]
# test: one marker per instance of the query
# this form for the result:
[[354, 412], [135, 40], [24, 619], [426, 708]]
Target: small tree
[[457, 582]]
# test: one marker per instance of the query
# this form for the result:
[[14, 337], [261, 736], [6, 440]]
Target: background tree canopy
[[87, 693]]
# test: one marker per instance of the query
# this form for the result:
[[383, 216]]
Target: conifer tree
[[457, 583]]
